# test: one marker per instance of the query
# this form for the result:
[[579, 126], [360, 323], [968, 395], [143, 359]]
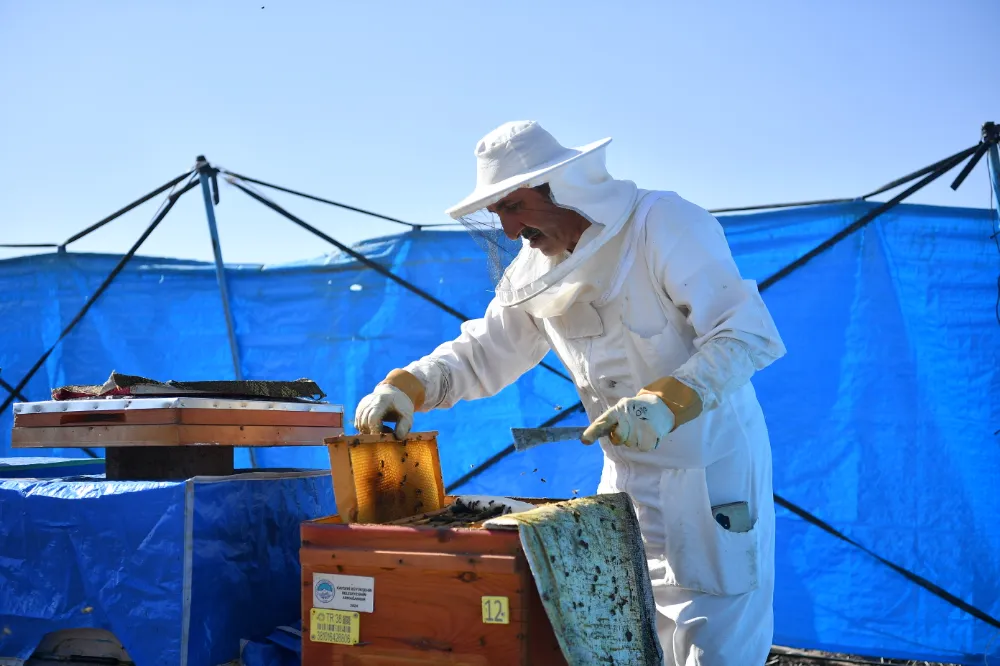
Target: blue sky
[[379, 104]]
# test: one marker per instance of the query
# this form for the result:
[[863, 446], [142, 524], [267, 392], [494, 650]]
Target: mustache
[[530, 233]]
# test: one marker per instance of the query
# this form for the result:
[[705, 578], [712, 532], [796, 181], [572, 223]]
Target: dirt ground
[[781, 656]]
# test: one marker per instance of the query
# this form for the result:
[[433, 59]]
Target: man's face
[[531, 214]]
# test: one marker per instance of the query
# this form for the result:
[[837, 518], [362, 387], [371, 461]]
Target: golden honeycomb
[[377, 478]]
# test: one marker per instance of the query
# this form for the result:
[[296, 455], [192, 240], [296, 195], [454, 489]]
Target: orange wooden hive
[[393, 595], [172, 437]]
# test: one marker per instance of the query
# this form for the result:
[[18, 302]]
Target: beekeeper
[[637, 293]]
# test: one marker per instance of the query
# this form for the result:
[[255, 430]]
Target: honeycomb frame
[[378, 478]]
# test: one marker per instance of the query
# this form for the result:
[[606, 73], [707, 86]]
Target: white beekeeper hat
[[516, 154]]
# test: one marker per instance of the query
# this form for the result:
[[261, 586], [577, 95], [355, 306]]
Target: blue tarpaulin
[[883, 415], [49, 468], [282, 647], [180, 572]]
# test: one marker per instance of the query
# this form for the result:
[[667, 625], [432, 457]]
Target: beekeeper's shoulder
[[674, 220]]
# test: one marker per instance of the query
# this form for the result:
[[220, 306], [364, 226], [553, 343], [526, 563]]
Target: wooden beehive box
[[392, 595], [172, 437], [173, 421]]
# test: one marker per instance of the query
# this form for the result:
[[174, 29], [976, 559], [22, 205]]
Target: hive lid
[[180, 410], [378, 478]]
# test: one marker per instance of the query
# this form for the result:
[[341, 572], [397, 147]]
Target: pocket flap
[[582, 320]]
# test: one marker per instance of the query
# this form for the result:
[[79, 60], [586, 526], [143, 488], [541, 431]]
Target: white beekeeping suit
[[661, 336]]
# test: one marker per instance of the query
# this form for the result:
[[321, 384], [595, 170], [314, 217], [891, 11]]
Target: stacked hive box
[[172, 438]]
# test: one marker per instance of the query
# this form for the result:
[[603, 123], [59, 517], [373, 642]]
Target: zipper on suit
[[622, 467], [585, 370]]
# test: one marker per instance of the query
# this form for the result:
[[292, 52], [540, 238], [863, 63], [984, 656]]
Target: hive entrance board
[[379, 479]]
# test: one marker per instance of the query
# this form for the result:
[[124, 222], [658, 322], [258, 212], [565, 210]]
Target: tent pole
[[994, 161], [207, 174]]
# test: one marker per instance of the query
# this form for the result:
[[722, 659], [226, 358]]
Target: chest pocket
[[581, 320], [657, 337], [580, 323]]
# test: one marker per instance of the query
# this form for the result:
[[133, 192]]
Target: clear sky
[[379, 104]]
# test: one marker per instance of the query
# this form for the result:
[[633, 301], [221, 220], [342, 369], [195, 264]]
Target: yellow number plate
[[334, 626], [496, 610]]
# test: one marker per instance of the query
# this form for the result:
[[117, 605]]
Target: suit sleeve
[[735, 335], [489, 354]]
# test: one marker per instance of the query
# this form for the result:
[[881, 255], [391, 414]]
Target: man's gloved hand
[[386, 402], [639, 423]]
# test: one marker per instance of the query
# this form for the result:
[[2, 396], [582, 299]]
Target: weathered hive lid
[[377, 478]]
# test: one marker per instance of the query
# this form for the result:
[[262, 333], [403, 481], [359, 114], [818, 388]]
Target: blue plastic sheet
[[282, 647], [49, 468], [882, 416], [180, 572]]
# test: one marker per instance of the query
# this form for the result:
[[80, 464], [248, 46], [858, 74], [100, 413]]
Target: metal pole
[[206, 173], [994, 162]]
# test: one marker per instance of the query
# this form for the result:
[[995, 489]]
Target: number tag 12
[[496, 610]]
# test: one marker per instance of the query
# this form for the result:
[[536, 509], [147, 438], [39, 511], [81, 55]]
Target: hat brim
[[482, 197]]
